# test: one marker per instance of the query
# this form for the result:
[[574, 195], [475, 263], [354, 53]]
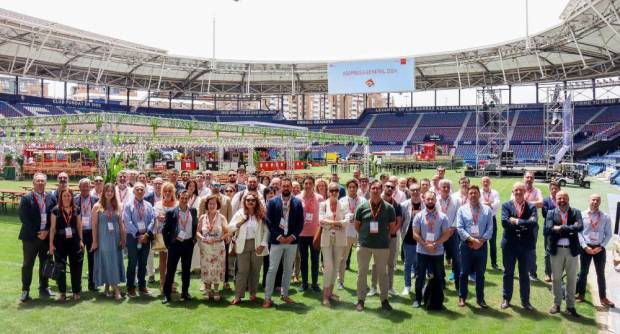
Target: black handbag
[[52, 269]]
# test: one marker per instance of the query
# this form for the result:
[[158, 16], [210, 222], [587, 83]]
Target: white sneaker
[[392, 292], [372, 292], [406, 291], [340, 286]]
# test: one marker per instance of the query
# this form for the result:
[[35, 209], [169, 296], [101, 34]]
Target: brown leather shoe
[[287, 300], [267, 303], [360, 306], [252, 298], [607, 302], [580, 298], [235, 301], [144, 291], [131, 293]]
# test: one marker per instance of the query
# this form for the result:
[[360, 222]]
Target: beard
[[286, 193], [252, 188], [430, 206]]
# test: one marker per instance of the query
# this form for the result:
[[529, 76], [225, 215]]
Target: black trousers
[[599, 266], [427, 263], [69, 248], [31, 250], [179, 250], [493, 244], [90, 256], [305, 244]]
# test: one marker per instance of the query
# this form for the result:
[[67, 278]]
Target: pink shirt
[[311, 214]]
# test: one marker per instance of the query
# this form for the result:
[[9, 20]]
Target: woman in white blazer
[[251, 240], [333, 220]]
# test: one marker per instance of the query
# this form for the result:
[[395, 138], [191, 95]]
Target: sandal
[[217, 297], [235, 301]]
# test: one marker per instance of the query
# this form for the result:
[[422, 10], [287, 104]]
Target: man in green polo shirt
[[375, 220]]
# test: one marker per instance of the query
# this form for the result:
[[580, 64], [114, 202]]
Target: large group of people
[[230, 231]]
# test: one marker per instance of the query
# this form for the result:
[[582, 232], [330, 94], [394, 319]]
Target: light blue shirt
[[131, 217], [465, 222], [441, 225], [603, 229]]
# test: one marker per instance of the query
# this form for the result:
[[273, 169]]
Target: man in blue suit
[[285, 220], [520, 221], [34, 213]]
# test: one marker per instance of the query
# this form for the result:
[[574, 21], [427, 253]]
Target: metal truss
[[492, 126]]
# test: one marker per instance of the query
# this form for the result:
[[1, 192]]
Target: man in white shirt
[[124, 193], [252, 186], [398, 195], [353, 200], [449, 205], [203, 190], [441, 172], [461, 195], [490, 198], [595, 236], [435, 183]]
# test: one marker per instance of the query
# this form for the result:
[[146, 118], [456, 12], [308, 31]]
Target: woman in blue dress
[[108, 243]]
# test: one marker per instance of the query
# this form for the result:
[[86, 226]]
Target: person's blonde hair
[[323, 181], [166, 186]]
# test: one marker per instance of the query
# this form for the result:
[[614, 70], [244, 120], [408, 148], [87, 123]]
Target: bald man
[[562, 227]]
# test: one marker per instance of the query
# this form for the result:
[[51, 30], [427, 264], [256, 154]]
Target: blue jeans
[[473, 261], [513, 254], [452, 250], [136, 257], [410, 262]]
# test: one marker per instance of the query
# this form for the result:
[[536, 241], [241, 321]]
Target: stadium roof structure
[[585, 45]]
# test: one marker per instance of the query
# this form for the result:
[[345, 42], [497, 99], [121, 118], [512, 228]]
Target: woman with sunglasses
[[168, 203], [211, 234], [108, 243], [229, 191], [66, 242], [333, 219], [251, 244]]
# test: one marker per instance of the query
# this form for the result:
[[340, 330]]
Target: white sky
[[301, 30]]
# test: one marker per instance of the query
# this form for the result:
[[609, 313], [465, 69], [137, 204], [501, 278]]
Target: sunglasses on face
[[389, 187], [228, 191], [334, 190], [250, 200]]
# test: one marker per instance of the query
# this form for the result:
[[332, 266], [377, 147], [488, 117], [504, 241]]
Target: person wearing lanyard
[[97, 190], [518, 220], [474, 223], [84, 203], [123, 190], [548, 205], [352, 201], [285, 220], [153, 197], [34, 213], [431, 229], [593, 239], [310, 201], [490, 198], [334, 221], [66, 242], [533, 195], [179, 236], [388, 192], [562, 227], [138, 216], [410, 209], [375, 221], [448, 205]]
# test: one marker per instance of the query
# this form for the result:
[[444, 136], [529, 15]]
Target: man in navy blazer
[[548, 205], [179, 236], [562, 227], [520, 221], [34, 213], [285, 220]]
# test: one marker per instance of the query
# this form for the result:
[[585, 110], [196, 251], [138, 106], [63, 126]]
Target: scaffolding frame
[[553, 122], [492, 126]]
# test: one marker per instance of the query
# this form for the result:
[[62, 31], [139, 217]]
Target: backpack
[[433, 296]]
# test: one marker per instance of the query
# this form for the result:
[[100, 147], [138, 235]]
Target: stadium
[[88, 105]]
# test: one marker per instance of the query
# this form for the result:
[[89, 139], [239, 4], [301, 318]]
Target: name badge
[[141, 227], [475, 230], [43, 222], [430, 236], [182, 235], [284, 225], [374, 227], [309, 216], [111, 227], [68, 232], [86, 221], [594, 237]]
